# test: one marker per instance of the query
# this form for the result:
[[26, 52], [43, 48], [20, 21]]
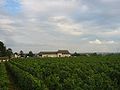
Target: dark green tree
[[2, 49], [30, 54], [16, 53], [21, 53], [75, 54], [9, 53]]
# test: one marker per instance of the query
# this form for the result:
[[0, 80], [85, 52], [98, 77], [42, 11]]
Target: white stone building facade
[[59, 53]]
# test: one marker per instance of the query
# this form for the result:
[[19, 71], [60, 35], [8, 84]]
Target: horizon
[[75, 25]]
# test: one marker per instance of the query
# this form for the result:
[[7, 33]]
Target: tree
[[16, 53], [76, 54], [2, 49], [9, 53], [30, 54], [21, 53]]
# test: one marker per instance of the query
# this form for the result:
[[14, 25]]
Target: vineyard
[[74, 73], [4, 82]]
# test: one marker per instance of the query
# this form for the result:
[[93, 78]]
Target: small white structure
[[16, 55], [59, 53]]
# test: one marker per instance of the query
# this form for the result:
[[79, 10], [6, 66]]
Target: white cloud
[[109, 1], [45, 4], [110, 42], [6, 24], [84, 8], [110, 33], [2, 40], [113, 32], [1, 2], [66, 26], [95, 42], [6, 21], [33, 7], [84, 39]]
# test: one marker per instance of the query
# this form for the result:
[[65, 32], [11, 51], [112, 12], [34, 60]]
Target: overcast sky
[[76, 25]]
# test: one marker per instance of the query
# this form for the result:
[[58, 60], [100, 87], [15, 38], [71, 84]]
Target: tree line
[[7, 52]]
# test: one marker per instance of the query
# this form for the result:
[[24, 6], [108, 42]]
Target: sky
[[74, 25]]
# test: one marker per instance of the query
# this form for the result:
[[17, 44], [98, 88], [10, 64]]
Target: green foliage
[[9, 53], [4, 81], [24, 79], [5, 52], [30, 54], [2, 49], [21, 53], [74, 73]]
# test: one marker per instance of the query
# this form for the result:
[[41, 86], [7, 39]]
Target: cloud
[[111, 1], [97, 41], [78, 25], [113, 32], [6, 21], [110, 42], [5, 24], [2, 40], [1, 2], [66, 26], [53, 7], [45, 5]]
